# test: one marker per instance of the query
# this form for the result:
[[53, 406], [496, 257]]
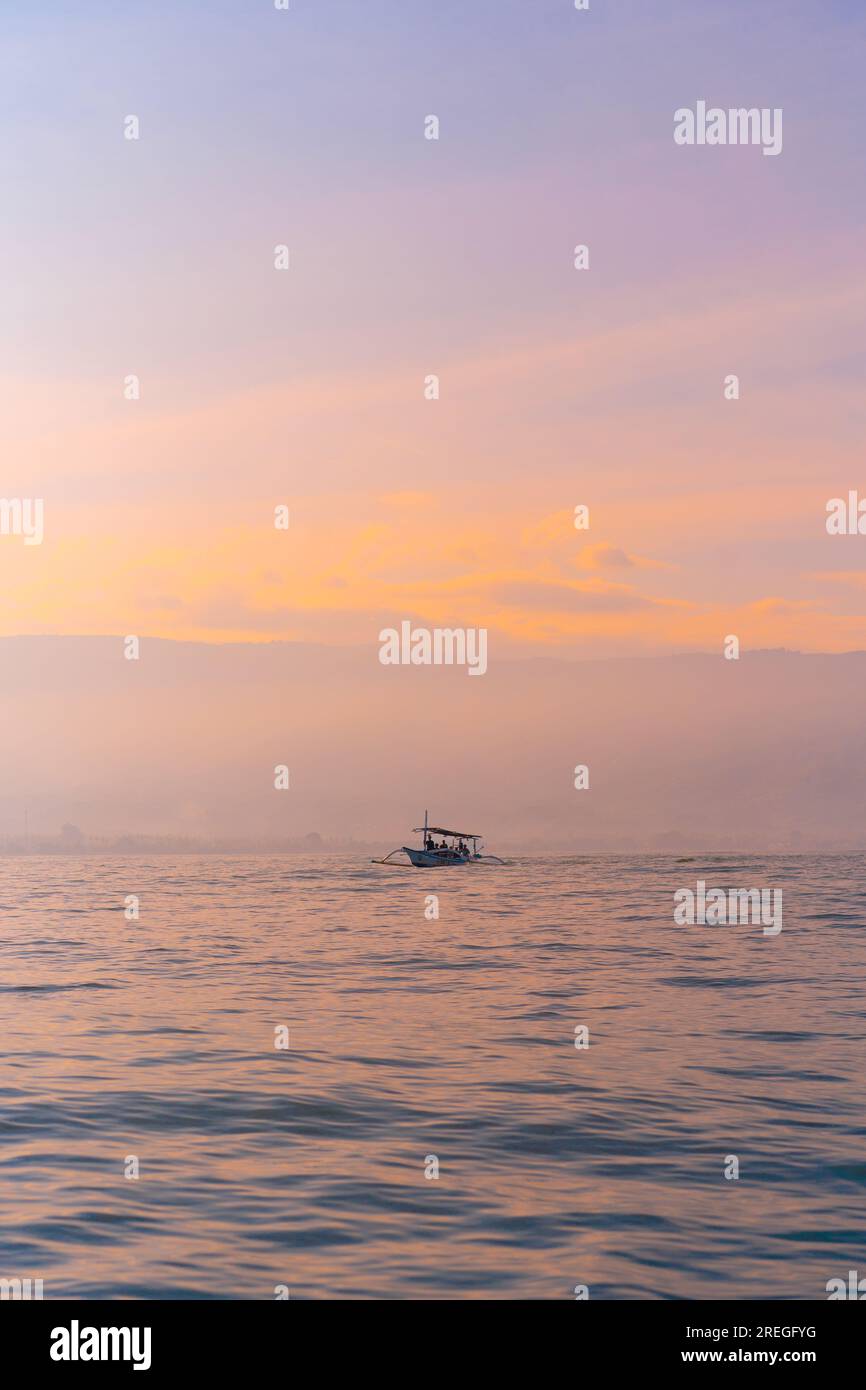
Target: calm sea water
[[411, 1038]]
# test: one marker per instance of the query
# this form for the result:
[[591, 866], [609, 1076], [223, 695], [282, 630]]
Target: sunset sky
[[411, 257]]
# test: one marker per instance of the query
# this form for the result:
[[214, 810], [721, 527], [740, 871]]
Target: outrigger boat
[[456, 847]]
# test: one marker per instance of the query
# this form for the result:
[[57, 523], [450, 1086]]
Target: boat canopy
[[440, 830]]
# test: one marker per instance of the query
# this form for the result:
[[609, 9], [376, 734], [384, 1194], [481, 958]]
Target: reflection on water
[[409, 1038]]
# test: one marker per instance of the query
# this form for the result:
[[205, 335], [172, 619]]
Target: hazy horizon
[[684, 752]]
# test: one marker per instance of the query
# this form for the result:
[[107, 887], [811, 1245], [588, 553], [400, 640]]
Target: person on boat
[[430, 843]]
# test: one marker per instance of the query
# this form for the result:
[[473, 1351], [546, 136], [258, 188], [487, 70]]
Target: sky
[[410, 257]]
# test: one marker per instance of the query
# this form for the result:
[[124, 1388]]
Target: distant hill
[[684, 751]]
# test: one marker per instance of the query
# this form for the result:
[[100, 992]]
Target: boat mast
[[424, 841]]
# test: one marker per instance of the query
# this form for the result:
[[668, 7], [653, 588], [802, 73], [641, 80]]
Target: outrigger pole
[[391, 863]]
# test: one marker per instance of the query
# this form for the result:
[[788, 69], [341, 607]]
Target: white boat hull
[[434, 859]]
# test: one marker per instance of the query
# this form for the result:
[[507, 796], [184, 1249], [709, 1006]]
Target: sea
[[309, 1077]]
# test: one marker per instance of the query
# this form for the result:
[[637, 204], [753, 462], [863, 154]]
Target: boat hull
[[435, 859]]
